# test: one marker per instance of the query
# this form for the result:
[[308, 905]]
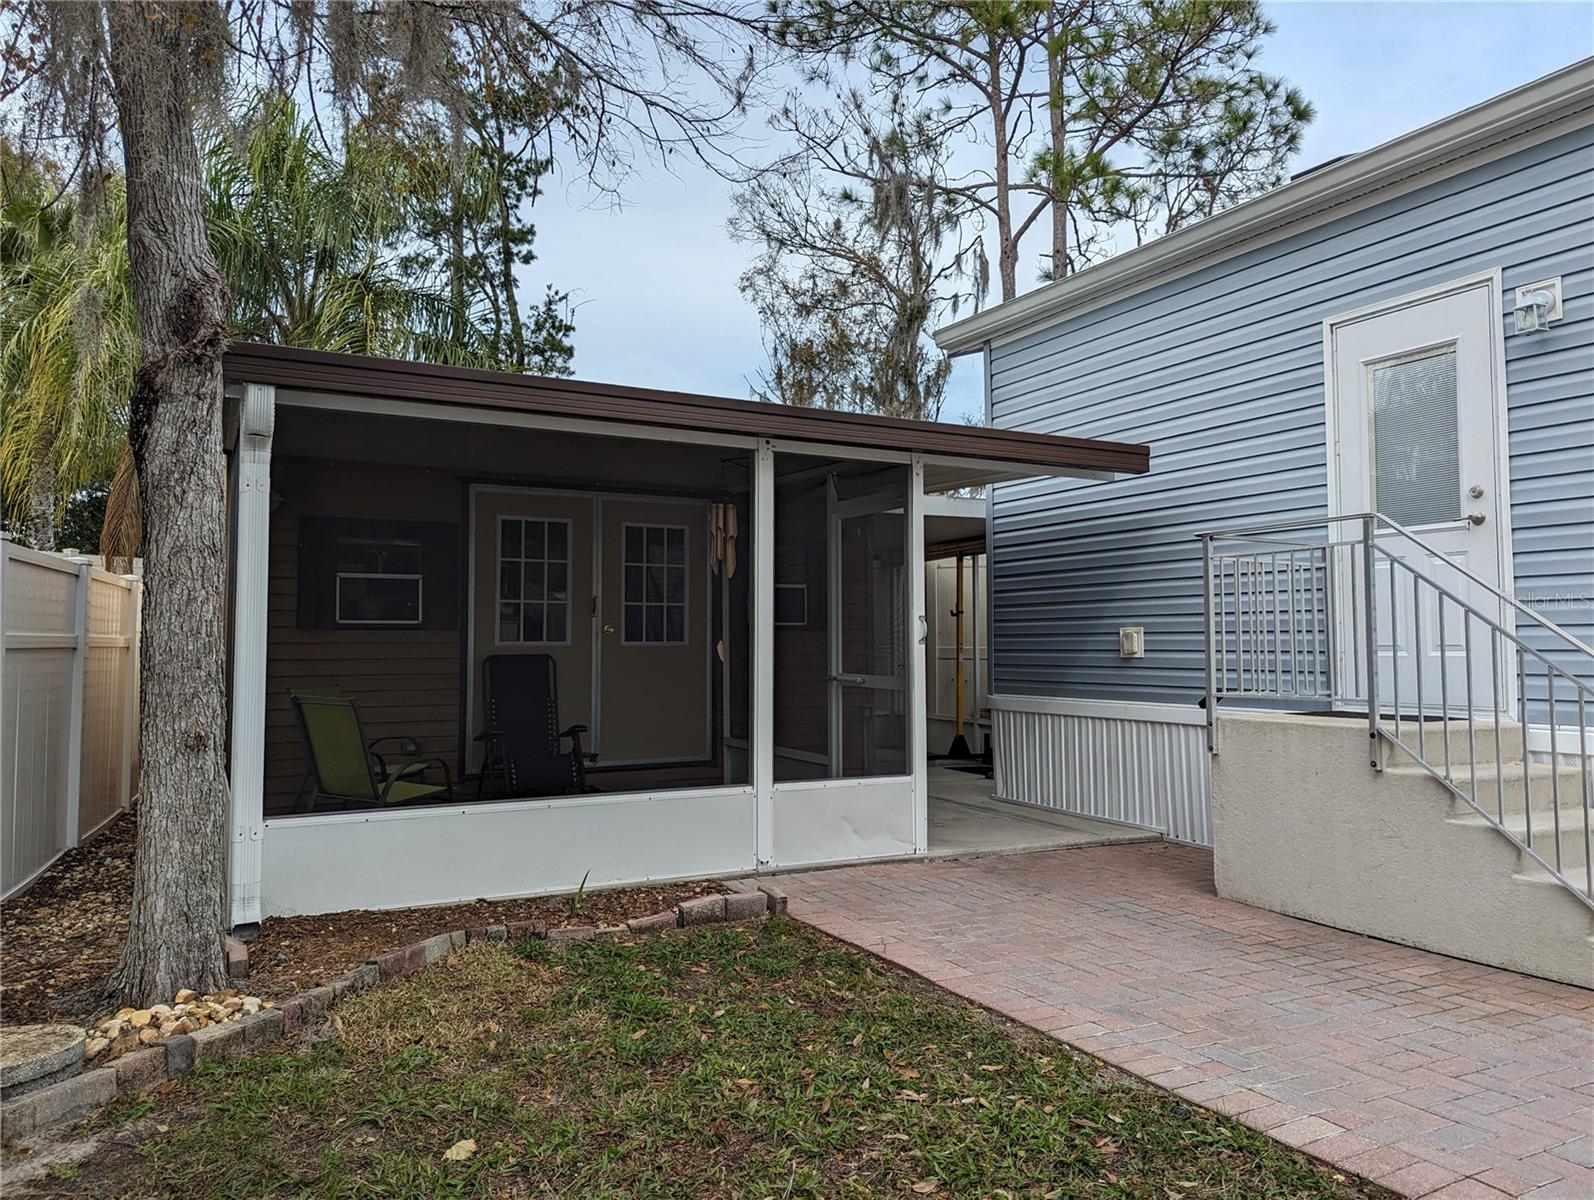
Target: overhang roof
[[1021, 453], [1537, 111]]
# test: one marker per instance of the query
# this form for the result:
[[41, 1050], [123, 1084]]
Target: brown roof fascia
[[396, 379]]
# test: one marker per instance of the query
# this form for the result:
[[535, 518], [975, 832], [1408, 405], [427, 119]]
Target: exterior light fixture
[[1537, 305]]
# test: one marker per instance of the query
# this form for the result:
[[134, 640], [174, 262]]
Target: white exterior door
[[1415, 408]]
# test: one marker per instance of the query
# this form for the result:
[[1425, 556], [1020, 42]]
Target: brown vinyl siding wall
[[406, 682]]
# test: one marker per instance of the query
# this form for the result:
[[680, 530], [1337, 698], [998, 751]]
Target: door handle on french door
[[1476, 518]]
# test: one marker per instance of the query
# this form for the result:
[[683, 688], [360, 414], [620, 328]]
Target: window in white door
[[655, 584], [533, 581], [1416, 452]]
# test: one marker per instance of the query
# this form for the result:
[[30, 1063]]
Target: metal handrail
[[1252, 531], [1287, 644]]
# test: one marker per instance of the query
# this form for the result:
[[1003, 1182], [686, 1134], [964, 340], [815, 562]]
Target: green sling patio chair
[[350, 770]]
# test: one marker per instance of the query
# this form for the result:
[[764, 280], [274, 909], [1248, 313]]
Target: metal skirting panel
[[1133, 770]]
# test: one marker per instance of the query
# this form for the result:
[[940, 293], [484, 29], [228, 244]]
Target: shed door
[[1417, 418]]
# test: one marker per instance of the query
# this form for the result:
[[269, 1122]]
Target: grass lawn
[[763, 1061]]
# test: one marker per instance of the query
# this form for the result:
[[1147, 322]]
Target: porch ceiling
[[955, 455]]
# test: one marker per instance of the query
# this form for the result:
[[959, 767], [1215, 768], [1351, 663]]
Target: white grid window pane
[[1416, 452], [654, 607], [533, 581]]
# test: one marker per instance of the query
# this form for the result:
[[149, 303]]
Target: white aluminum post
[[763, 664], [74, 719], [257, 416], [1369, 534], [988, 596], [918, 635], [833, 637]]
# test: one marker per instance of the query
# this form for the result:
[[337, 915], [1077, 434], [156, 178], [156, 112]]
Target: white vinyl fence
[[68, 705]]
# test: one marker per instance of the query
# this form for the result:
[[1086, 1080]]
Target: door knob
[[1477, 518], [608, 629]]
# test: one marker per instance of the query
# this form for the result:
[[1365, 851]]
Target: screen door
[[868, 635]]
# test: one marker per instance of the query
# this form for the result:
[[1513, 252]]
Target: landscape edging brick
[[143, 1070]]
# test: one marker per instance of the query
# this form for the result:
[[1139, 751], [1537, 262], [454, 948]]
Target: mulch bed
[[294, 953], [60, 939]]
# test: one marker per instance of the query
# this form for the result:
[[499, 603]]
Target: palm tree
[[68, 341], [312, 244]]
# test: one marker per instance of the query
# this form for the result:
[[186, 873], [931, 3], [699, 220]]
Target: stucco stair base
[[1303, 825]]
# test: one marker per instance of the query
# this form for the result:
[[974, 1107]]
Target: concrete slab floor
[[967, 821]]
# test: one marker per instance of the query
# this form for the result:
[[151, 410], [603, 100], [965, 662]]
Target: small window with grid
[[655, 584], [533, 581]]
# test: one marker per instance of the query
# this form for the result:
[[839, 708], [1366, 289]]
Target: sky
[[654, 280]]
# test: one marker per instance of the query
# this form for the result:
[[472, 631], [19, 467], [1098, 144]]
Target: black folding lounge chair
[[343, 766], [525, 746]]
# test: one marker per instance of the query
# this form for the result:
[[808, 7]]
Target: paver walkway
[[1433, 1076]]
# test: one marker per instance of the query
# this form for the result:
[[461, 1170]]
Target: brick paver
[[1433, 1076]]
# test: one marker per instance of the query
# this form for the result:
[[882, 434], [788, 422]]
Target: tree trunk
[[179, 877], [508, 291], [39, 527], [456, 239], [1006, 247], [1056, 62]]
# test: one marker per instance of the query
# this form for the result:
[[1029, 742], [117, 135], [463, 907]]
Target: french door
[[615, 590]]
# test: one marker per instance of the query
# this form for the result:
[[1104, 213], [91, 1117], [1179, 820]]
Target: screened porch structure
[[493, 635]]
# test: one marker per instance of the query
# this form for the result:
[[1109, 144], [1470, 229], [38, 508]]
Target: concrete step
[[1510, 787], [1469, 742], [1573, 839], [1534, 876]]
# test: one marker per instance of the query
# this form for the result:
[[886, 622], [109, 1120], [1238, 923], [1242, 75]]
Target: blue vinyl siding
[[1221, 372]]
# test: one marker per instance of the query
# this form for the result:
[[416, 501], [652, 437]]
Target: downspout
[[990, 560], [247, 760]]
